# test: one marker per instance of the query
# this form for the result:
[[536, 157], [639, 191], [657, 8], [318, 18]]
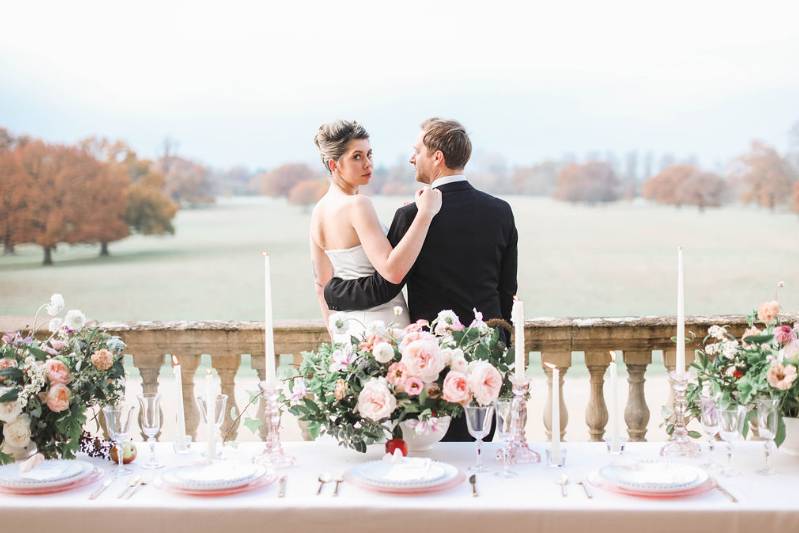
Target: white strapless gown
[[352, 263]]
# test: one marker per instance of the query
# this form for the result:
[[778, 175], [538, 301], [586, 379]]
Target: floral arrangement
[[359, 387], [761, 364], [47, 386]]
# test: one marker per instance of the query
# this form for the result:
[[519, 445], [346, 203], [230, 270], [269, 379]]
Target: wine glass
[[478, 422], [150, 420], [117, 421], [767, 422], [504, 414], [731, 422], [220, 401], [709, 418]]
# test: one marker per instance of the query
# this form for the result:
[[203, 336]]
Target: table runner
[[531, 502]]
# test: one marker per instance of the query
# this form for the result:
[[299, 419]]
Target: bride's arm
[[322, 273], [394, 263]]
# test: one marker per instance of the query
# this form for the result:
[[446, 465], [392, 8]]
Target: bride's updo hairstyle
[[332, 139]]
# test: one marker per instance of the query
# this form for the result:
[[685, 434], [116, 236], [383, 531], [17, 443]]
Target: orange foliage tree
[[307, 192], [187, 182], [685, 185], [767, 179], [280, 180], [591, 182]]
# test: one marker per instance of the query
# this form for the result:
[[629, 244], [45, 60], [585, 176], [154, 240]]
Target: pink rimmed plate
[[82, 481], [255, 484], [595, 480], [445, 485]]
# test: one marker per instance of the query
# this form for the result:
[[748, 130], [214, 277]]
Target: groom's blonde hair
[[451, 138]]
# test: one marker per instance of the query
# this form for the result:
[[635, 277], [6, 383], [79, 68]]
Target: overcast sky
[[237, 83]]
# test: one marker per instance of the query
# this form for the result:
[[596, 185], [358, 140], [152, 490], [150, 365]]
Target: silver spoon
[[563, 481], [323, 478]]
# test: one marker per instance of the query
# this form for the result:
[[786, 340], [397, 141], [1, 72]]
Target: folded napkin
[[31, 463]]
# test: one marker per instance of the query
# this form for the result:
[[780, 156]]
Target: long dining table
[[530, 502]]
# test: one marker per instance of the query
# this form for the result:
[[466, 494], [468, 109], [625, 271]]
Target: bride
[[347, 239]]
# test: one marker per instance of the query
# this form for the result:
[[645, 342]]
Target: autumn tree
[[307, 192], [664, 187], [766, 178], [535, 180], [187, 182], [279, 181], [591, 182]]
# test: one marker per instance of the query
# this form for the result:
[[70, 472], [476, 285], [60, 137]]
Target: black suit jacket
[[468, 261]]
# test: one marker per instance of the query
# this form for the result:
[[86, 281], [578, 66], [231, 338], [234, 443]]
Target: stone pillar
[[596, 413], [563, 361], [149, 365], [636, 413], [226, 366], [189, 364]]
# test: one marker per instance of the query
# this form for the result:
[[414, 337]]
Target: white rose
[[18, 432], [9, 411], [375, 401], [717, 332], [74, 319], [383, 352], [458, 362], [56, 304], [729, 349]]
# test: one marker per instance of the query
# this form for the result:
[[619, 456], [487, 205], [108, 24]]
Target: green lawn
[[574, 261]]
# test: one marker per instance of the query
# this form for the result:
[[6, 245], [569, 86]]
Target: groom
[[469, 257]]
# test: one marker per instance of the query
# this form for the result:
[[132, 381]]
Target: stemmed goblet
[[117, 421], [731, 422], [150, 419], [767, 423], [504, 414], [709, 418], [478, 422]]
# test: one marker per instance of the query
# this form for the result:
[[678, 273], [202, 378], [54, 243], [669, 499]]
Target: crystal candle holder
[[273, 455], [680, 444], [520, 452]]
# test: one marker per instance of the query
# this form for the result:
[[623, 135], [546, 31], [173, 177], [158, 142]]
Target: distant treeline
[[98, 191]]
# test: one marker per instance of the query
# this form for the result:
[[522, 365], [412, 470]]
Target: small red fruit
[[738, 374], [397, 444]]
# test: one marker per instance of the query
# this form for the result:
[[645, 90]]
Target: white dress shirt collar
[[447, 179]]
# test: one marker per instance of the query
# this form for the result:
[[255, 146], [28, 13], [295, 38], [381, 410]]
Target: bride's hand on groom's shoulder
[[428, 201]]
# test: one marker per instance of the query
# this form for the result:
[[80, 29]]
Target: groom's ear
[[438, 157]]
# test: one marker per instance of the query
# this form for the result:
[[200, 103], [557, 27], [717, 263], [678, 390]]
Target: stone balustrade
[[555, 340]]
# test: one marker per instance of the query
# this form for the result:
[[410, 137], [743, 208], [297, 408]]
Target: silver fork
[[136, 488], [134, 480]]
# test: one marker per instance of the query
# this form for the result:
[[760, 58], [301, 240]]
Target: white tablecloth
[[531, 502]]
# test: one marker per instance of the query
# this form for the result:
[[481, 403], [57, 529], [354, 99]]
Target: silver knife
[[107, 483], [584, 485], [135, 489], [281, 490], [724, 491], [134, 480]]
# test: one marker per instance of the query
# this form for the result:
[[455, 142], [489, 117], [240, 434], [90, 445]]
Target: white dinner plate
[[654, 476], [412, 472], [49, 473], [216, 476]]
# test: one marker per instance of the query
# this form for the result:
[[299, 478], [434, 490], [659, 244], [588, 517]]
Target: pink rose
[[396, 374], [375, 401], [423, 360], [416, 336], [58, 398], [781, 377], [57, 372], [413, 386], [784, 334], [485, 381], [7, 363], [767, 311], [103, 359], [58, 345], [456, 388]]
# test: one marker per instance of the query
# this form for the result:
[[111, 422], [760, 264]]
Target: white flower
[[75, 320], [712, 349], [54, 324], [9, 411], [383, 352], [338, 323], [115, 344], [375, 400], [18, 432], [730, 371], [458, 362], [729, 349], [342, 358], [717, 332], [376, 328], [447, 321], [299, 391], [398, 310], [56, 305]]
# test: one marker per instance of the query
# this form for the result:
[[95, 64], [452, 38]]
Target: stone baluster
[[189, 364], [149, 365], [596, 413], [226, 366], [636, 413], [563, 361], [670, 362]]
